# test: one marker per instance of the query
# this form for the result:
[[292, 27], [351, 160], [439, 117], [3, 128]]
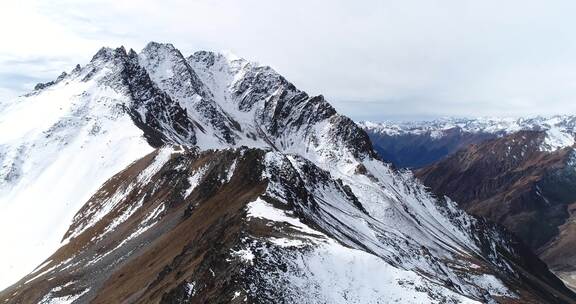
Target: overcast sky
[[380, 59]]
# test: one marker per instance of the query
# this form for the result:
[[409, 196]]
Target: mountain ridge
[[312, 176], [513, 182]]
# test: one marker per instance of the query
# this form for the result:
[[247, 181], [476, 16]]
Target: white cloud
[[370, 58]]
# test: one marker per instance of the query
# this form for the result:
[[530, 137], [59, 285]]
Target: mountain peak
[[156, 47], [107, 53], [209, 169]]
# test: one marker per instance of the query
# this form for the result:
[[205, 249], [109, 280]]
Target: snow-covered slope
[[511, 181], [57, 146], [312, 174]]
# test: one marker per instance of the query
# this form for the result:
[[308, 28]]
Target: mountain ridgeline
[[211, 179]]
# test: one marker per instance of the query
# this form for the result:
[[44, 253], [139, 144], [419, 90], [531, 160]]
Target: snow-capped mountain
[[87, 126], [219, 181], [414, 144], [554, 124]]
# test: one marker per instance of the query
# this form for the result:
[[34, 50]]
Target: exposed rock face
[[101, 110], [255, 192], [513, 181], [179, 226]]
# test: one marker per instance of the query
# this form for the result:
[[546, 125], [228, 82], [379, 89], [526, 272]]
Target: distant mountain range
[[414, 144]]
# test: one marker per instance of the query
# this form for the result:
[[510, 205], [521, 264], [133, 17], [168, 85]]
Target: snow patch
[[190, 289], [231, 171], [262, 209], [284, 242], [195, 179], [493, 285], [557, 139], [245, 255], [51, 299]]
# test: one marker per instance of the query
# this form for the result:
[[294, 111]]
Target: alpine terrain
[[519, 173], [152, 177]]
